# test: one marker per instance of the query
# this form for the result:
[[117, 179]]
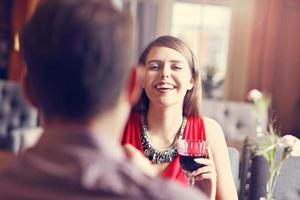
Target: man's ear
[[28, 92], [134, 87]]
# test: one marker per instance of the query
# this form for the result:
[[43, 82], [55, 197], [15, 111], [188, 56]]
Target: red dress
[[194, 130]]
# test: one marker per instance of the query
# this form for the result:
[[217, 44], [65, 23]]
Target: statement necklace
[[156, 155]]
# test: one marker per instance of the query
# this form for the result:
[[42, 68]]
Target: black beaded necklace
[[156, 155]]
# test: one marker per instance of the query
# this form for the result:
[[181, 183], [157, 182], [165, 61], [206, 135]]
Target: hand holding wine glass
[[196, 160], [188, 151], [206, 177]]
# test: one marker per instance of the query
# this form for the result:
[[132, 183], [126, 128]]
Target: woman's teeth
[[165, 86]]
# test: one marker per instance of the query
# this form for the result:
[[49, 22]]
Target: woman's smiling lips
[[163, 87]]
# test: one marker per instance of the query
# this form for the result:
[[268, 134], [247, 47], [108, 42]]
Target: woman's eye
[[153, 67], [176, 67]]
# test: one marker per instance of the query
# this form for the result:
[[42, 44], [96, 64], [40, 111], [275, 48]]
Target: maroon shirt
[[76, 165]]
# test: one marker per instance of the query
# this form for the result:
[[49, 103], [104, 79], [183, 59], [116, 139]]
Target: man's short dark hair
[[78, 56]]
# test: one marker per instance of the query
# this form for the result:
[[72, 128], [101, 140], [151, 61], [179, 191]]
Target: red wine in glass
[[189, 150], [188, 163]]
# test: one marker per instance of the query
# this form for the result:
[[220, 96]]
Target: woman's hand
[[206, 176]]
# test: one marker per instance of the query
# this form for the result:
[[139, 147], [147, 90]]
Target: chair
[[26, 137], [237, 120], [15, 113], [287, 186], [234, 157], [245, 172]]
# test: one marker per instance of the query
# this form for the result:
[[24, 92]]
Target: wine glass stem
[[191, 180]]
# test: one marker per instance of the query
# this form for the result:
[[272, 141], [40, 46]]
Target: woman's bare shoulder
[[214, 134], [213, 128]]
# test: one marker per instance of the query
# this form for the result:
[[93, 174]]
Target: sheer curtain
[[254, 36], [239, 49], [152, 19], [147, 17], [264, 54]]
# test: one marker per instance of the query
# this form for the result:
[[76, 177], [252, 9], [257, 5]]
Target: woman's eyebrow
[[176, 61], [159, 61], [156, 61]]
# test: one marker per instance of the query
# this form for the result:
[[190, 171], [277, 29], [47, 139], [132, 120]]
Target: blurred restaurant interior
[[240, 45]]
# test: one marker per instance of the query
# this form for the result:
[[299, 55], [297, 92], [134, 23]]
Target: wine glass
[[189, 150]]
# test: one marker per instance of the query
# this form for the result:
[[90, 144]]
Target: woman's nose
[[165, 75], [165, 72]]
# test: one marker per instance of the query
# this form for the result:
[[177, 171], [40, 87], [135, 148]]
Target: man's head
[[78, 57]]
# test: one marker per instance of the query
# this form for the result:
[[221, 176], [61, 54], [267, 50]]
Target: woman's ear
[[28, 92], [191, 84], [135, 84]]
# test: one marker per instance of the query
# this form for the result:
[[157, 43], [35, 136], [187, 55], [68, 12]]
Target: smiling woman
[[168, 111], [167, 80], [174, 51]]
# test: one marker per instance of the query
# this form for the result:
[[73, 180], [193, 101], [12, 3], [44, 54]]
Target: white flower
[[291, 141], [254, 95], [262, 145]]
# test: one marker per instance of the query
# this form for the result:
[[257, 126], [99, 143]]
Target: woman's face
[[167, 77]]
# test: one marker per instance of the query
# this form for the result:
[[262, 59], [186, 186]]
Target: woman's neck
[[164, 122]]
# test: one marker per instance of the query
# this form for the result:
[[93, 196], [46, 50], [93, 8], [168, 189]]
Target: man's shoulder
[[162, 189], [170, 190], [115, 178]]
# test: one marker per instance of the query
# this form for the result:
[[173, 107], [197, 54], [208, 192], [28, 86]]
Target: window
[[205, 28]]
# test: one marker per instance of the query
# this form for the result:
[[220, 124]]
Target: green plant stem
[[271, 183], [273, 175]]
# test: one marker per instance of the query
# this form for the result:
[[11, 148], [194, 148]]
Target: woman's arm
[[225, 184]]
